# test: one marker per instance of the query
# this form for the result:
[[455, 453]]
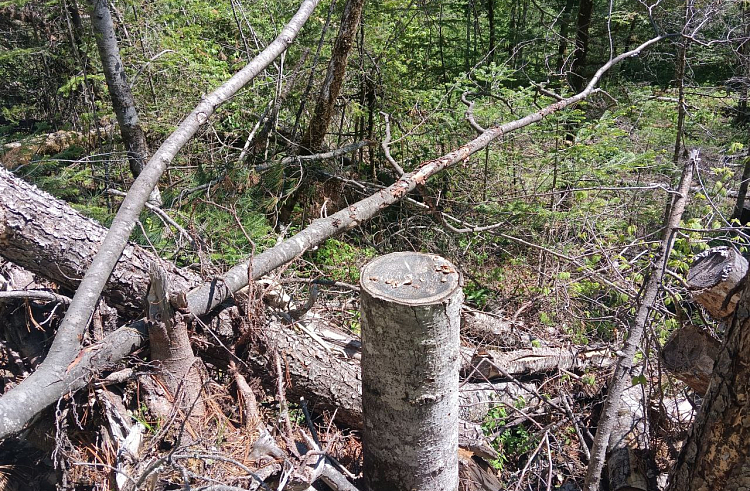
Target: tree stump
[[713, 276], [689, 354], [411, 307]]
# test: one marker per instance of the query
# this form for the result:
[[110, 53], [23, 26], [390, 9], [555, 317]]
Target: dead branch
[[386, 146], [621, 376], [211, 294], [14, 408], [42, 295], [315, 157]]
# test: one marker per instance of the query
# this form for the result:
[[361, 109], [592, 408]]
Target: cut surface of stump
[[410, 305], [714, 276]]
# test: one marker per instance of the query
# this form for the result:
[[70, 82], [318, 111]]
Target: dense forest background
[[554, 226]]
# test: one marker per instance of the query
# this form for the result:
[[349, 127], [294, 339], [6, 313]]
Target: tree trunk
[[488, 364], [313, 140], [621, 377], [583, 22], [491, 27], [119, 91], [739, 212], [680, 79], [411, 307], [716, 454], [562, 47]]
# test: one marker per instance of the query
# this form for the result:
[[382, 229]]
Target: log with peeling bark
[[713, 278], [48, 237], [689, 354], [482, 364]]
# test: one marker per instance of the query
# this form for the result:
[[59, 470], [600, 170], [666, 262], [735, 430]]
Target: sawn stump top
[[410, 278]]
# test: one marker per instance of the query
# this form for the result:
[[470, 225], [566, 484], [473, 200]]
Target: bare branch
[[211, 294], [14, 405], [386, 146]]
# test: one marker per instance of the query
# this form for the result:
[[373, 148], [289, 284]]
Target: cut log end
[[713, 277], [410, 278]]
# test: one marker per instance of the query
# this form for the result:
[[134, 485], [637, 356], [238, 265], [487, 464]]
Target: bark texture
[[48, 237], [329, 91], [713, 277], [716, 454], [689, 354], [179, 369], [627, 470], [119, 90], [411, 307]]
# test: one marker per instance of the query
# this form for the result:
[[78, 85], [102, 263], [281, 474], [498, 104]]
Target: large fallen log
[[48, 237]]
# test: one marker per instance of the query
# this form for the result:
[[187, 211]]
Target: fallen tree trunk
[[213, 293], [487, 364], [48, 237]]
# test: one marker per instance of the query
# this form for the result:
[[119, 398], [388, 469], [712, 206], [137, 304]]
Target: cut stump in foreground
[[411, 306]]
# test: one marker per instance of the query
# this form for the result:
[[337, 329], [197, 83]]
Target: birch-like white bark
[[411, 317], [22, 402]]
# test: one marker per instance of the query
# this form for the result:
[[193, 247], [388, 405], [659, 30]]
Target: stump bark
[[410, 305]]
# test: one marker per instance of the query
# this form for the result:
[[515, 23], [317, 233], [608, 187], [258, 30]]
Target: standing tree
[[329, 91], [583, 23], [119, 90]]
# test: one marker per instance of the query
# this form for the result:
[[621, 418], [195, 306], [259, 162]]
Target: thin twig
[[36, 295], [386, 146]]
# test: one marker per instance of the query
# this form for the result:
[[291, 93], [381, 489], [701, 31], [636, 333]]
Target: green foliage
[[342, 261], [511, 443]]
